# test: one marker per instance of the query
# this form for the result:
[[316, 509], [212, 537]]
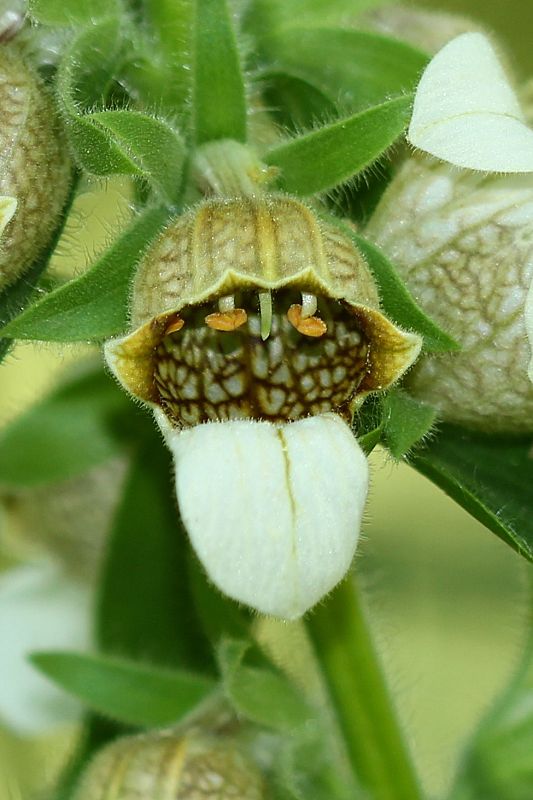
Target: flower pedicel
[[256, 333]]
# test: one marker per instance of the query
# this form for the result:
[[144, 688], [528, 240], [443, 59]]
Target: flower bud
[[170, 766], [34, 165], [463, 242]]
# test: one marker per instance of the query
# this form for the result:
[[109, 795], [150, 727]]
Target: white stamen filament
[[226, 303], [309, 305], [265, 310]]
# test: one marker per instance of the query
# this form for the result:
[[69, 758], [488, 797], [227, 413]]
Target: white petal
[[8, 206], [465, 111], [273, 511], [40, 609]]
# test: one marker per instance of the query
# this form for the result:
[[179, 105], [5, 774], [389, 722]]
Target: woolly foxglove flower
[[463, 240], [250, 315]]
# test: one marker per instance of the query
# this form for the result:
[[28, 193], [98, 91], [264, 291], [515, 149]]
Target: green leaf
[[261, 695], [156, 151], [406, 421], [170, 23], [76, 427], [94, 306], [71, 12], [369, 422], [120, 141], [491, 477], [264, 16], [498, 763], [396, 301], [132, 693], [219, 100], [355, 68], [326, 157], [145, 610]]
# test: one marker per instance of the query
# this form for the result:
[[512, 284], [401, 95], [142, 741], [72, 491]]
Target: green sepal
[[77, 426], [263, 696], [218, 91], [489, 476], [130, 692], [94, 306], [406, 421], [324, 158]]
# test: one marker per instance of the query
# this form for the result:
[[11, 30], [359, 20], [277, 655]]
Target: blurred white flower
[[40, 609]]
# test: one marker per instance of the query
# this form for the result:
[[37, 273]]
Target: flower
[[463, 240], [251, 314]]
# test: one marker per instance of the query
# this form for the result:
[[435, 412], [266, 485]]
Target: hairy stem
[[360, 697]]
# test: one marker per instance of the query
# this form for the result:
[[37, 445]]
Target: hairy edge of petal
[[40, 609], [273, 511], [466, 112]]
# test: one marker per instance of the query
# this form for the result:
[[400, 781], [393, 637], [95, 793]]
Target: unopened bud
[[463, 242], [35, 167], [157, 766]]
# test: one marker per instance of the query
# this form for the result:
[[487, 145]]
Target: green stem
[[360, 697]]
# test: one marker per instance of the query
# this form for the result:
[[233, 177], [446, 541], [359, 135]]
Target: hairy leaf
[[330, 155], [219, 100], [355, 68], [94, 306], [128, 691], [491, 477]]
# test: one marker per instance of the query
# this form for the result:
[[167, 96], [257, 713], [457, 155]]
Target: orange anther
[[176, 325], [227, 320], [308, 326]]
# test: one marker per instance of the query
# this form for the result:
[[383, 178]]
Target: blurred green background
[[446, 597]]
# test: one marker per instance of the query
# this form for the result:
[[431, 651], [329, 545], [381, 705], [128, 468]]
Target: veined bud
[[463, 242], [250, 313], [170, 766], [35, 167], [69, 520]]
